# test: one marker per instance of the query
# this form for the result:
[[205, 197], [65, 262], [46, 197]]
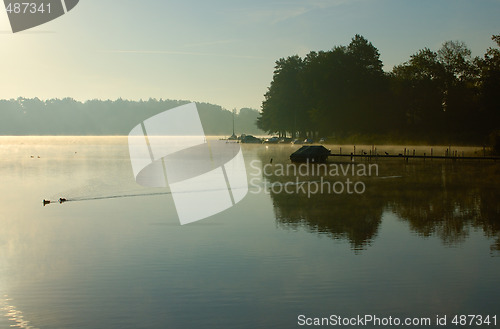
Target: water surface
[[422, 240]]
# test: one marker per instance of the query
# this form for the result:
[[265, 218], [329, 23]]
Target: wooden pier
[[449, 154], [411, 156], [320, 154]]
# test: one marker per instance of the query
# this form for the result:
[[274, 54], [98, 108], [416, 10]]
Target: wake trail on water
[[126, 195], [131, 195], [103, 197], [114, 196], [118, 196]]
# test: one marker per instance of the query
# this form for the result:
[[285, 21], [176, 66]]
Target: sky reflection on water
[[423, 244]]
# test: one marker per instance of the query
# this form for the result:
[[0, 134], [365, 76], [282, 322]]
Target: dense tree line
[[435, 96], [32, 116]]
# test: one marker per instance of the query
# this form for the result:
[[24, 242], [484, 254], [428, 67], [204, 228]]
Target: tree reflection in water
[[440, 198]]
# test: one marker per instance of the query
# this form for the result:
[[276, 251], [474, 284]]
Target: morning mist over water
[[249, 164], [419, 230]]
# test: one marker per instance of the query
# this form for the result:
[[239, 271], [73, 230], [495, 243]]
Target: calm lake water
[[421, 240]]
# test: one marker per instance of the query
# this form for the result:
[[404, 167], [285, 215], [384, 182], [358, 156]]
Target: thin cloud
[[183, 53], [283, 11], [208, 43], [274, 16], [27, 32]]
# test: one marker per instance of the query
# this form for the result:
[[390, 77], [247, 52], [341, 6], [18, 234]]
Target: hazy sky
[[217, 51]]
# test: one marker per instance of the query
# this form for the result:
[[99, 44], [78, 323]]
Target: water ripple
[[13, 314]]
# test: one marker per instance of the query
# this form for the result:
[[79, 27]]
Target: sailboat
[[233, 136]]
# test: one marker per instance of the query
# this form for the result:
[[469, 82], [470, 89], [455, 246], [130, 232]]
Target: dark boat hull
[[311, 154]]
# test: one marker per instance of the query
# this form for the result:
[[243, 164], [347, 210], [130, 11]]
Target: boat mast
[[233, 136]]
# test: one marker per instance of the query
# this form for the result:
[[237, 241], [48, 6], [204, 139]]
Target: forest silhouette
[[32, 116], [442, 96]]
